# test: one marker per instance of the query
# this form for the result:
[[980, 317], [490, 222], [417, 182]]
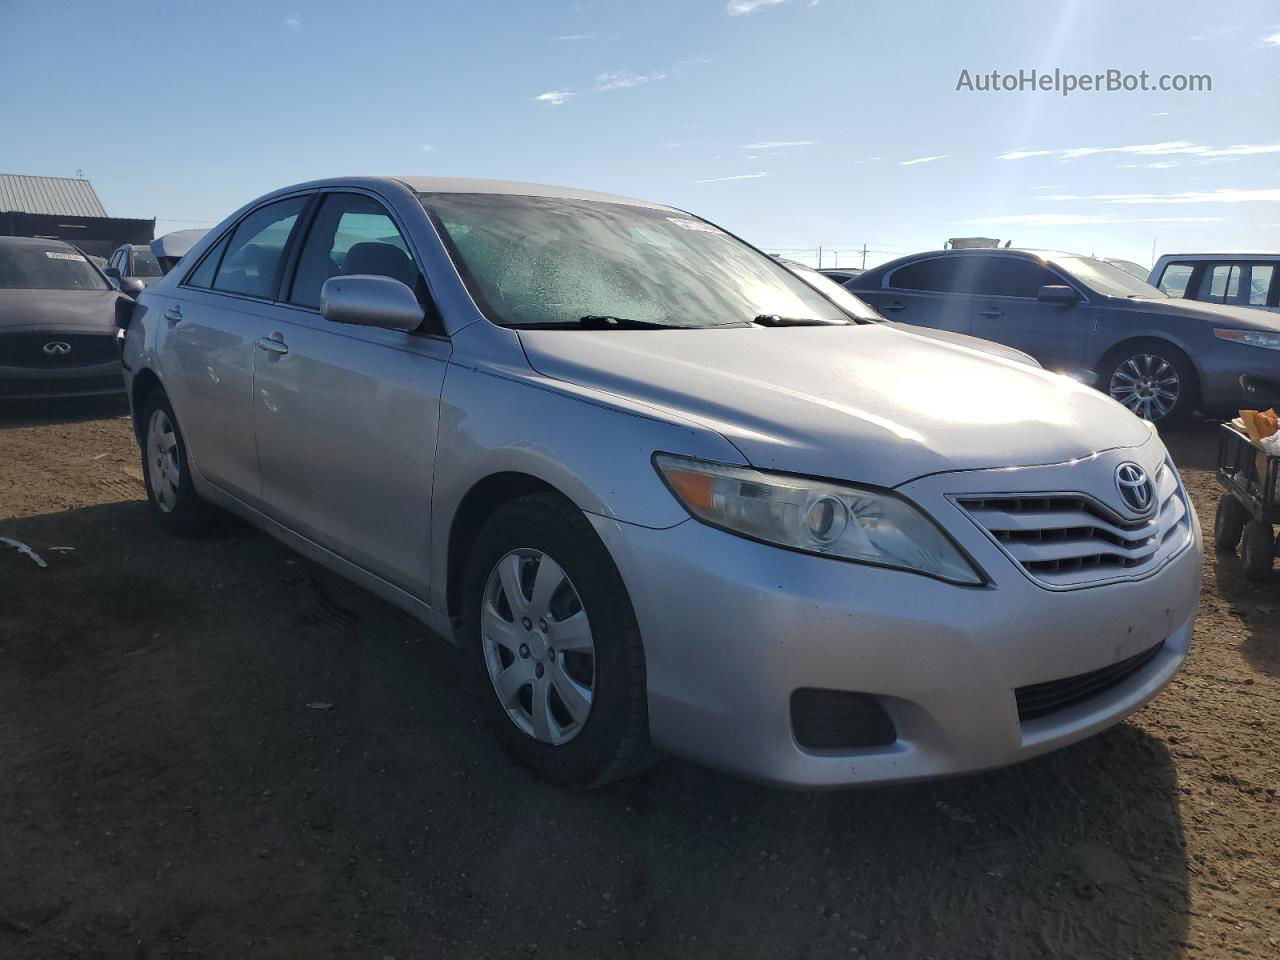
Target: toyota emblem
[[57, 348], [1136, 489]]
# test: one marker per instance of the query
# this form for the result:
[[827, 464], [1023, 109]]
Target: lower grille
[[1042, 699], [71, 350], [839, 720], [61, 386]]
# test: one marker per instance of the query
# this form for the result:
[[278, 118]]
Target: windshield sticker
[[695, 225], [55, 255]]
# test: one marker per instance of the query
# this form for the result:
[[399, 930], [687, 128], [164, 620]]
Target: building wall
[[96, 235]]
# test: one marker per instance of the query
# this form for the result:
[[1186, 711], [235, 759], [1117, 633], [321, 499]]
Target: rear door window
[[1175, 278], [1220, 283], [939, 275], [252, 259]]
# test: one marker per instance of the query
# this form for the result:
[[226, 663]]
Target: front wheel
[[1259, 551], [1228, 523], [555, 644], [1153, 379]]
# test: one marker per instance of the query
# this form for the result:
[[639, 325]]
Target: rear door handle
[[273, 344], [173, 314], [991, 313], [894, 307]]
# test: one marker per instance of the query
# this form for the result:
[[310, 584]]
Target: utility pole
[[819, 257], [864, 256]]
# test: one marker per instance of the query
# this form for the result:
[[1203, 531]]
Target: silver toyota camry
[[666, 494]]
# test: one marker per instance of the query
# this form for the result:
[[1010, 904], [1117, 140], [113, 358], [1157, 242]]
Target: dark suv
[[1159, 356]]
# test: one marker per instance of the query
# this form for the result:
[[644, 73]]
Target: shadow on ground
[[202, 754], [32, 413]]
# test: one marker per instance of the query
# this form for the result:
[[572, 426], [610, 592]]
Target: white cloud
[[621, 81], [426, 147], [912, 163], [1165, 148], [1272, 40], [741, 176], [573, 36], [778, 144], [1023, 154], [738, 8], [293, 21], [1221, 195], [554, 97], [1080, 219]]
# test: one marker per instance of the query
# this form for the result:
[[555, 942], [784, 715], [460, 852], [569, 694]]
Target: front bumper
[[732, 628], [96, 379]]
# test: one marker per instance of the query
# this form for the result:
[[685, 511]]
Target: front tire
[[165, 472], [555, 645], [1153, 380], [1259, 550], [1228, 523]]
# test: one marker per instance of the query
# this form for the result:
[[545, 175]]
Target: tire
[[170, 492], [1259, 550], [563, 744], [1141, 375], [1228, 523]]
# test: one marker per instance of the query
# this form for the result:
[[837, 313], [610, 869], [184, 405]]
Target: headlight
[[833, 520], [1253, 338]]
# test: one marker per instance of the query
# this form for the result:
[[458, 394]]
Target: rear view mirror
[[370, 301], [1058, 294]]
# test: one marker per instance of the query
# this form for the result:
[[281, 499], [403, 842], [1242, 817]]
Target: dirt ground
[[206, 750]]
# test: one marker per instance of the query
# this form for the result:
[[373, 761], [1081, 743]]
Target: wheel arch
[[144, 381], [478, 504]]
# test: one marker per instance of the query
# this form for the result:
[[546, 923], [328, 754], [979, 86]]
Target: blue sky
[[794, 123]]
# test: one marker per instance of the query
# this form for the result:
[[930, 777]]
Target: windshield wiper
[[773, 320], [594, 321]]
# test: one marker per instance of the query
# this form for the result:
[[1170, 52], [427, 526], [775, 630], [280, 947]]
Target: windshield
[[834, 291], [145, 264], [1108, 279], [532, 261], [53, 267]]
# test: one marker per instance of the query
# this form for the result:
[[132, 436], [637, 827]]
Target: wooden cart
[[1249, 509]]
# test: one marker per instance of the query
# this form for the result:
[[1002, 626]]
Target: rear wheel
[[1259, 550], [555, 644], [165, 472], [1153, 379], [1228, 523]]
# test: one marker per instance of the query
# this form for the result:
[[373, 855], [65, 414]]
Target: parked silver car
[[663, 492]]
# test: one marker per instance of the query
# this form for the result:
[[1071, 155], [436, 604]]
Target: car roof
[[34, 242], [1220, 256], [471, 185]]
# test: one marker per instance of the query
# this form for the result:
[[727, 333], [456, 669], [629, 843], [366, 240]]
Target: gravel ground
[[208, 750]]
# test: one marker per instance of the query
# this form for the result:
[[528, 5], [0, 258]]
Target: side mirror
[[1058, 294], [370, 301], [132, 286]]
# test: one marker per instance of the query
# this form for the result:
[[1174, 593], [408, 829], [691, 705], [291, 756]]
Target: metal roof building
[[54, 196], [65, 208]]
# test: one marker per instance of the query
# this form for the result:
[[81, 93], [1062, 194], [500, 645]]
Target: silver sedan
[[667, 495]]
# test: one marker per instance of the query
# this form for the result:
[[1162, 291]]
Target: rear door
[[207, 337], [1006, 309], [933, 292], [346, 416]]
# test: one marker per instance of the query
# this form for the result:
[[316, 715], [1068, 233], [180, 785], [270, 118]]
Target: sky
[[793, 123]]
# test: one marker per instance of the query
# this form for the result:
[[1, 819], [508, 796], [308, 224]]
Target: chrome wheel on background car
[[538, 647], [1147, 384], [164, 468]]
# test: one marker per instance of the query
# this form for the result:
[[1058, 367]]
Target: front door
[[346, 416], [1006, 310]]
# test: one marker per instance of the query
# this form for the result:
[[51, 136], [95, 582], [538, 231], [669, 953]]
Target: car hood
[[58, 308], [1219, 314], [964, 340], [865, 403]]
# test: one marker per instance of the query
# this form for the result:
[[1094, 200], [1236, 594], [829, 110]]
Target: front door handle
[[895, 306], [173, 314], [273, 344], [991, 313]]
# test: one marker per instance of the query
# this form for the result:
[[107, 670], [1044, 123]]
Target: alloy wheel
[[1148, 385], [538, 647], [162, 461]]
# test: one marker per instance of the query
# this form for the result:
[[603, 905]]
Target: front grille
[[839, 720], [28, 349], [1072, 540], [1042, 699]]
